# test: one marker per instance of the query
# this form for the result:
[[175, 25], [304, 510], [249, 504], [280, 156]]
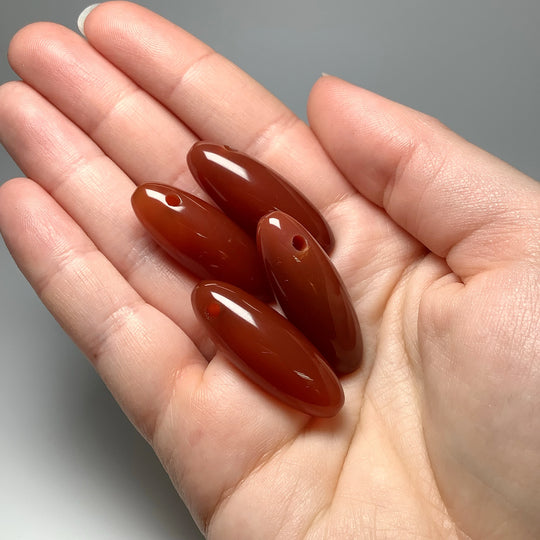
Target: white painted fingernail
[[82, 17]]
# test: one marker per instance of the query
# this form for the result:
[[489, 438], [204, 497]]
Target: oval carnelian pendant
[[310, 291], [246, 190], [268, 349], [200, 237]]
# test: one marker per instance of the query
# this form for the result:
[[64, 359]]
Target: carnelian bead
[[310, 291], [200, 237], [246, 189], [268, 349]]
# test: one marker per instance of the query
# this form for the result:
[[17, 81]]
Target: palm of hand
[[438, 433]]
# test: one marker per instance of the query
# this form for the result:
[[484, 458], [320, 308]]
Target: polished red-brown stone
[[310, 291], [268, 349], [200, 237], [246, 189]]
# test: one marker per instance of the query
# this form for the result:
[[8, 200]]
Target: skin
[[437, 241]]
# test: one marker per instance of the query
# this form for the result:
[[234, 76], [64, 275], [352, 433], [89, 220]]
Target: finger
[[220, 102], [139, 134], [459, 201], [138, 351], [366, 245], [96, 194], [212, 96]]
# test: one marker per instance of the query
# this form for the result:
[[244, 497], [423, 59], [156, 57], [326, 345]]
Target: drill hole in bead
[[213, 310], [172, 199], [299, 242]]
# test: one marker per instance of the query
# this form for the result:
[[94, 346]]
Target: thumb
[[459, 201]]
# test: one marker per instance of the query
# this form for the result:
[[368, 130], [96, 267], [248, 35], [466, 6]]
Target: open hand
[[437, 241]]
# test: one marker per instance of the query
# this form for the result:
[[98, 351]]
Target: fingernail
[[82, 17], [323, 74]]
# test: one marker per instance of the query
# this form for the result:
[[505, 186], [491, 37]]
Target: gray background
[[72, 465]]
